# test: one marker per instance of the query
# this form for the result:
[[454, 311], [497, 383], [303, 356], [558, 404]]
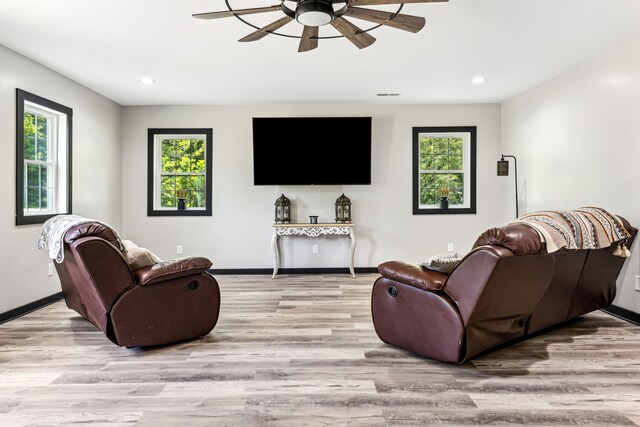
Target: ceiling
[[108, 45]]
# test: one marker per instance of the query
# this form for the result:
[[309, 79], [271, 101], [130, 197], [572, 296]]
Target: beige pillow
[[138, 257], [444, 263]]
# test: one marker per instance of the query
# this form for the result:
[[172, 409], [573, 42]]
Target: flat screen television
[[312, 150]]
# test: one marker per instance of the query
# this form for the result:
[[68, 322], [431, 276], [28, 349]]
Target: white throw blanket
[[52, 234]]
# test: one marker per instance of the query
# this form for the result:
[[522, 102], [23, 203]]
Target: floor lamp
[[503, 170]]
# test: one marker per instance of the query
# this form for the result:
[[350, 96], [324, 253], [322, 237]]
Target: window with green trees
[[180, 172], [39, 161], [43, 159], [183, 173], [444, 167]]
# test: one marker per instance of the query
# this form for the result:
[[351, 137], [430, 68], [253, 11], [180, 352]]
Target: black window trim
[[21, 97], [152, 132], [417, 210]]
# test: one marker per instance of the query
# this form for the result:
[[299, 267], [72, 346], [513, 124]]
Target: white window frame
[[468, 135], [54, 163], [157, 169], [154, 170], [58, 160], [466, 165]]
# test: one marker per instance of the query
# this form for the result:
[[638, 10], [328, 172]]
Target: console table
[[312, 230]]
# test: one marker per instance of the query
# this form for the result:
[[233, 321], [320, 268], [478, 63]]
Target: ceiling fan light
[[479, 80], [314, 13]]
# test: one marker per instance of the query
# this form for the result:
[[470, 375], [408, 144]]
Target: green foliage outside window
[[36, 149], [441, 166], [183, 168]]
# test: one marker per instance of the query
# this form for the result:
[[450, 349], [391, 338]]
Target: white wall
[[239, 232], [577, 141], [574, 138], [97, 172]]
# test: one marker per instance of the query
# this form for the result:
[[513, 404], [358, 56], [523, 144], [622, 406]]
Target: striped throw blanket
[[584, 228]]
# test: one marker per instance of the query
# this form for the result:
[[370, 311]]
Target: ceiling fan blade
[[380, 2], [352, 33], [227, 13], [264, 31], [309, 39], [401, 22]]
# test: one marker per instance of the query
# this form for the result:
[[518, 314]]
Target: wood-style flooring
[[301, 350]]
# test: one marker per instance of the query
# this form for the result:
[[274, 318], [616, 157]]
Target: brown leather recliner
[[159, 304], [506, 288]]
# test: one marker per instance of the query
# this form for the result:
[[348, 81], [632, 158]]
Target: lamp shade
[[503, 167]]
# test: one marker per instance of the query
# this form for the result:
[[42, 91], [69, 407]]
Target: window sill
[[440, 211], [175, 212], [36, 219]]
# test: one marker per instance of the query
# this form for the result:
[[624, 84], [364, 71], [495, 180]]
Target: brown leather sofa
[[159, 304], [507, 288]]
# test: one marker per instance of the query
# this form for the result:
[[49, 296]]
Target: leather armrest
[[413, 275], [171, 270]]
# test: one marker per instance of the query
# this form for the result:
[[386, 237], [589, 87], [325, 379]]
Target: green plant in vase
[[444, 198], [181, 194]]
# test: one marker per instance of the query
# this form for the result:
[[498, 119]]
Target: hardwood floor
[[301, 350]]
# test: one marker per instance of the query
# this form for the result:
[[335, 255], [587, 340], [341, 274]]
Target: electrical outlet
[[314, 249], [179, 249], [50, 269], [638, 283], [450, 247]]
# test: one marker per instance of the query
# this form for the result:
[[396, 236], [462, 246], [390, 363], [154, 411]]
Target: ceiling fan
[[313, 14]]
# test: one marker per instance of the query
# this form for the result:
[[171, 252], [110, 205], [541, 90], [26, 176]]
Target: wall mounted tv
[[312, 150]]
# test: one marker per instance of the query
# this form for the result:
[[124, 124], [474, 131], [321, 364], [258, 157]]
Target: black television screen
[[312, 151]]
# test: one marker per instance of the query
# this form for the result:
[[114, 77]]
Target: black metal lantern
[[343, 209], [283, 210]]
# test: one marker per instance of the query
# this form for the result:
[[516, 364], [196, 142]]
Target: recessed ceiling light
[[147, 81], [479, 80]]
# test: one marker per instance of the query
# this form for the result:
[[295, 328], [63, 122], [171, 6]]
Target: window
[[444, 163], [43, 158], [179, 172]]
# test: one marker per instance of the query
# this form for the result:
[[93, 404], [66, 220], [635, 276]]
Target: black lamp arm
[[515, 168]]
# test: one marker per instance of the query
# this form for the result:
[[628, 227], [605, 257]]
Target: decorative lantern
[[283, 210], [343, 209]]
